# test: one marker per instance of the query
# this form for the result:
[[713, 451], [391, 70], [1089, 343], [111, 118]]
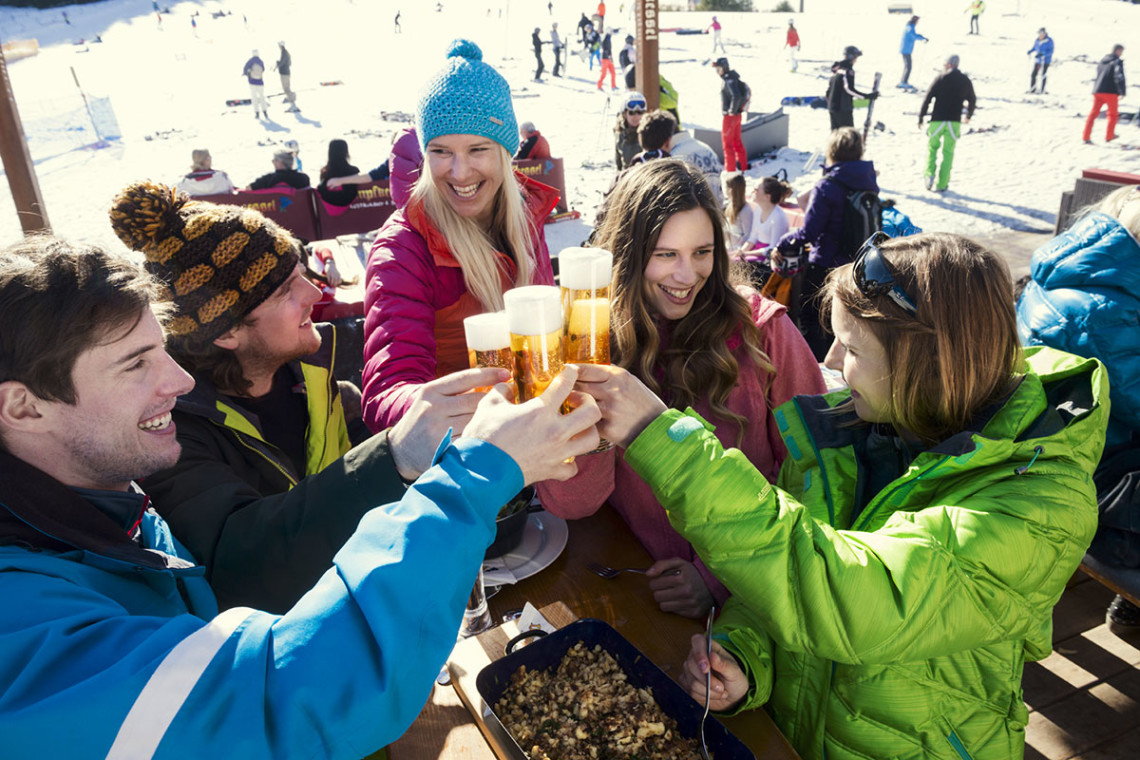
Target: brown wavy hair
[[960, 353], [698, 363]]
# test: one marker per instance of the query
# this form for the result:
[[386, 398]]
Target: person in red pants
[[607, 63], [1106, 92], [734, 97]]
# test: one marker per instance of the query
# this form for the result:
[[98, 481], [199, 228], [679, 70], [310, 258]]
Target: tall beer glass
[[534, 315], [488, 341], [585, 277]]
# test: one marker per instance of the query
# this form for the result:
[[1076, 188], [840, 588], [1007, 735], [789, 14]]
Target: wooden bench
[[1122, 580], [1092, 186]]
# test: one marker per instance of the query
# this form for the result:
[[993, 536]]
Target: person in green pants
[[949, 91]]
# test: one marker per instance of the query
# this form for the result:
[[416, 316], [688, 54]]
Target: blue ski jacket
[[910, 36], [1084, 298], [1043, 49], [111, 649]]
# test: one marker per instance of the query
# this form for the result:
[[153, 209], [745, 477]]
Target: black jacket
[[537, 42], [949, 91], [291, 177], [1110, 75], [841, 88], [733, 93], [264, 532]]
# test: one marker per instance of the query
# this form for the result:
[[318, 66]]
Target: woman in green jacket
[[888, 592]]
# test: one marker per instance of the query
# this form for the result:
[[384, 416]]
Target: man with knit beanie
[[266, 489]]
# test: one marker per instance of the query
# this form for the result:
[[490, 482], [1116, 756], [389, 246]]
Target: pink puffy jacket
[[606, 476], [415, 300]]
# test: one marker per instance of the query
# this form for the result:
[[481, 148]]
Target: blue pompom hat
[[467, 97]]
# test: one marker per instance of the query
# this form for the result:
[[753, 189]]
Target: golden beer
[[534, 316], [488, 342], [585, 276], [537, 361], [587, 327]]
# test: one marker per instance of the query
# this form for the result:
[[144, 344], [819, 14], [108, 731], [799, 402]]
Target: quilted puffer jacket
[[1085, 298], [416, 299], [901, 631]]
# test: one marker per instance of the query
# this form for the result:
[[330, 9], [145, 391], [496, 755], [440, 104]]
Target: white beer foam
[[534, 309], [487, 332], [585, 268]]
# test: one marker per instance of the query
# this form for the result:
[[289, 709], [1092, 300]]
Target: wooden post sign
[[648, 82]]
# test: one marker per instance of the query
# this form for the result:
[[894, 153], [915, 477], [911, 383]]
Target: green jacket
[[900, 632], [264, 532]]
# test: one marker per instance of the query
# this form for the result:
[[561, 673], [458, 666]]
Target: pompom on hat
[[467, 97], [219, 262]]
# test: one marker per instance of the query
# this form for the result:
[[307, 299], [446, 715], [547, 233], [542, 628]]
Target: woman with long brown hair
[[685, 324]]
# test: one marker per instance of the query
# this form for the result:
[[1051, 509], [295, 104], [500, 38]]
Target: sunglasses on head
[[873, 275]]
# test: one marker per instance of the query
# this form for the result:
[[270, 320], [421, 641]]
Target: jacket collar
[[38, 511]]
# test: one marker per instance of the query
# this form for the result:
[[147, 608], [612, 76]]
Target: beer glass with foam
[[534, 316], [585, 277], [488, 341]]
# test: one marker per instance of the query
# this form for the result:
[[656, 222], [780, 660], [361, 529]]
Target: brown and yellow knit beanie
[[220, 262]]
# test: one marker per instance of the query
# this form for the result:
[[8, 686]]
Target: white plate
[[544, 538]]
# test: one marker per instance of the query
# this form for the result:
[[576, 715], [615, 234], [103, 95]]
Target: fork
[[611, 572], [708, 680]]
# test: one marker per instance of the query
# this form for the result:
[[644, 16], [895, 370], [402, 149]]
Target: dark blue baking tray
[[547, 652]]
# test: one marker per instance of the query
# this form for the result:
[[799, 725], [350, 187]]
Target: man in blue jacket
[[1042, 52], [111, 645], [910, 36]]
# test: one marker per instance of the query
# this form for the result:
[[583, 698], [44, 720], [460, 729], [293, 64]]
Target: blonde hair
[[199, 159], [512, 230], [698, 364], [1124, 205], [960, 352]]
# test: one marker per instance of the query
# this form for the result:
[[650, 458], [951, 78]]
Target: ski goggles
[[635, 105], [873, 275]]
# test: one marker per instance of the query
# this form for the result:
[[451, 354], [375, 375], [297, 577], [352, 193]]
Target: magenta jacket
[[415, 299], [606, 475]]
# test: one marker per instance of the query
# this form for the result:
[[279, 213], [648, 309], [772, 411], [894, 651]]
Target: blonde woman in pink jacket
[[692, 331]]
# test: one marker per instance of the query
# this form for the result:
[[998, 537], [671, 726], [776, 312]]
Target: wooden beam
[[648, 80], [18, 161]]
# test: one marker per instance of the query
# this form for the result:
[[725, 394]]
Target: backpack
[[862, 217]]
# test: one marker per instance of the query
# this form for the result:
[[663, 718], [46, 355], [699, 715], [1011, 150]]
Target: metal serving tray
[[547, 652]]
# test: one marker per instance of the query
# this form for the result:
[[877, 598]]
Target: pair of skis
[[871, 107]]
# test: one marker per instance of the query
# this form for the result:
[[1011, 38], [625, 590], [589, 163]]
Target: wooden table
[[445, 730]]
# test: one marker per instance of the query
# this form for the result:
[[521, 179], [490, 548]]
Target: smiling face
[[119, 428], [279, 330], [862, 359], [680, 263], [467, 171]]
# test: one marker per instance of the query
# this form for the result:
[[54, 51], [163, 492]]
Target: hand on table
[[626, 405], [541, 440], [678, 587], [446, 402], [729, 682]]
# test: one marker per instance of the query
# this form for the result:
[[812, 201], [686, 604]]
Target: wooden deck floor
[[1084, 699]]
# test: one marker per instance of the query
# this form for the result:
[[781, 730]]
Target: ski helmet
[[852, 52]]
